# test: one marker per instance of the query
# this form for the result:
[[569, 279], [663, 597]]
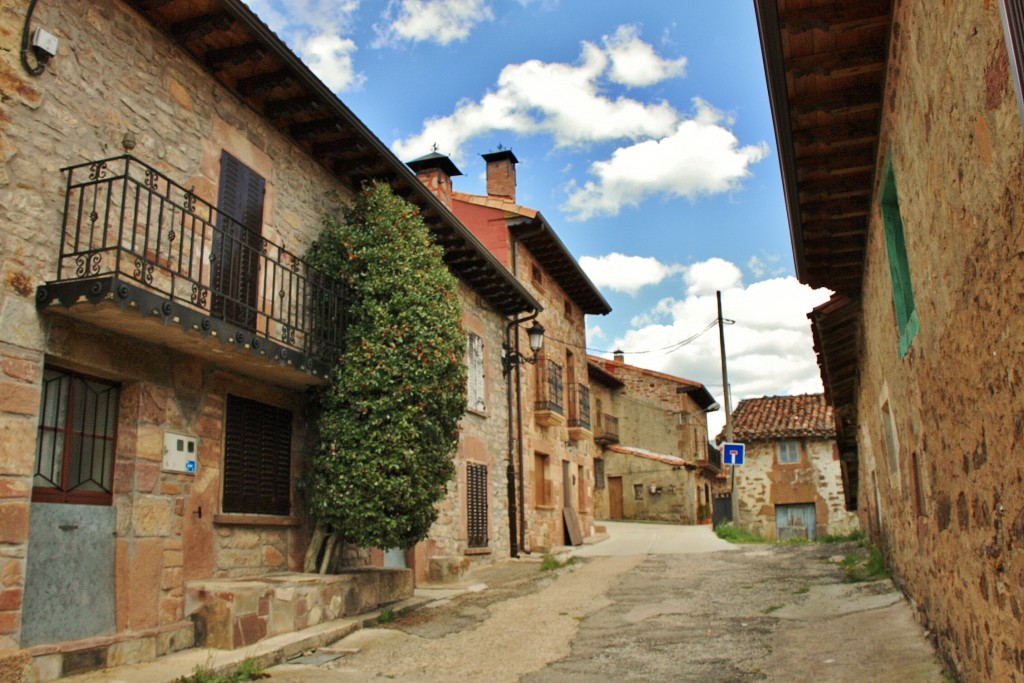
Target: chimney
[[436, 172], [501, 173], [619, 356]]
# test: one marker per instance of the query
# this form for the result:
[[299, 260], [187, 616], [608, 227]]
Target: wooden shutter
[[237, 242], [476, 504], [257, 458], [475, 375]]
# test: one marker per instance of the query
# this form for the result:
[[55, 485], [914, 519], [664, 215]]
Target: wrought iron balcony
[[548, 407], [137, 240], [579, 413], [607, 429], [713, 459]]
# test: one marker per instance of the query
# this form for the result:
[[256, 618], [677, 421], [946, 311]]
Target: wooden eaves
[[247, 58]]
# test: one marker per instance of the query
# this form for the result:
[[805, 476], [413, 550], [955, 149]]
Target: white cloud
[[316, 30], [756, 266], [594, 333], [330, 58], [566, 101], [701, 157], [635, 63], [627, 274], [769, 348], [436, 21]]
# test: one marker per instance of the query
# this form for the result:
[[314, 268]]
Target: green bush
[[388, 422], [865, 564]]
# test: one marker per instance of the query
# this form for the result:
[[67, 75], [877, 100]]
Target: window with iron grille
[[551, 387], [257, 458], [598, 473], [76, 439], [476, 504]]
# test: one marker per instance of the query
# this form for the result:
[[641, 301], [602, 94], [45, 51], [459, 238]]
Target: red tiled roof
[[651, 455], [780, 417]]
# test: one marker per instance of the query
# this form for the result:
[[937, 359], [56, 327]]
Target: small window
[[638, 491], [788, 452], [76, 439], [476, 504], [536, 275], [257, 458], [568, 308], [899, 266], [475, 384], [892, 443], [598, 473]]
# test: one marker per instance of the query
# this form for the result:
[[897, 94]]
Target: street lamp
[[510, 358]]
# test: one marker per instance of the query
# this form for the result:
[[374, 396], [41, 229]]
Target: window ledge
[[545, 507], [477, 551], [478, 413], [233, 519]]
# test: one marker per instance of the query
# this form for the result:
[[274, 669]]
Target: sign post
[[732, 453]]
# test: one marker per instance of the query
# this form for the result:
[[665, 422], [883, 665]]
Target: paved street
[[651, 603]]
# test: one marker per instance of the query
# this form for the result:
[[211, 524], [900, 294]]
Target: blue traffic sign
[[732, 453]]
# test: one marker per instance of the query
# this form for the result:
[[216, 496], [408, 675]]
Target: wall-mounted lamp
[[510, 358]]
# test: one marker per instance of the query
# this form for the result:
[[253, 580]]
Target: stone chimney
[[619, 356], [501, 173], [436, 172]]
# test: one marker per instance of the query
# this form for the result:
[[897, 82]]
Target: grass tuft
[[864, 564], [248, 670], [550, 563], [733, 534]]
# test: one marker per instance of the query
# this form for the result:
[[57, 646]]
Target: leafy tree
[[388, 422]]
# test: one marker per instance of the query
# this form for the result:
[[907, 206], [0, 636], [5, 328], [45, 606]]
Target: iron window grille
[[76, 442], [476, 504], [581, 407], [551, 388]]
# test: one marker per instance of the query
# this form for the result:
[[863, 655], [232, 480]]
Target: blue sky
[[644, 137]]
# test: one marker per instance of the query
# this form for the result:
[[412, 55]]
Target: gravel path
[[753, 613]]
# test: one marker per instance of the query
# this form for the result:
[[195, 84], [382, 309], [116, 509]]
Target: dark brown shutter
[[237, 242], [476, 496], [257, 458]]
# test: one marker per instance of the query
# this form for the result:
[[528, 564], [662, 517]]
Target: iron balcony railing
[[549, 389], [127, 224], [714, 457], [607, 430], [579, 404]]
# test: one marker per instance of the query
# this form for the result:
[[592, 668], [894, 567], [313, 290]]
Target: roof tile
[[781, 417]]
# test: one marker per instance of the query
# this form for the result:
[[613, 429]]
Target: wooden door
[[615, 497]]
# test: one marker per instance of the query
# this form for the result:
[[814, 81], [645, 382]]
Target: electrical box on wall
[[180, 453]]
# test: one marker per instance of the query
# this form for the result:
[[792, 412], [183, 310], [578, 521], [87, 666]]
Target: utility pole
[[728, 404]]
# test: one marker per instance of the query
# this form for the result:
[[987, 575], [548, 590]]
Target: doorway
[[615, 497]]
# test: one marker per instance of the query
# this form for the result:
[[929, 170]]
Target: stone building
[[550, 441], [900, 139], [652, 432], [160, 333], [790, 484]]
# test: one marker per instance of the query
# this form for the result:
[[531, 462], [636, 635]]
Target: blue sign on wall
[[732, 453]]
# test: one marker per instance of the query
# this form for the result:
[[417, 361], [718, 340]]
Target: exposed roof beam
[[837, 16], [310, 129], [263, 83], [837, 61], [836, 102], [234, 55], [290, 105], [204, 24]]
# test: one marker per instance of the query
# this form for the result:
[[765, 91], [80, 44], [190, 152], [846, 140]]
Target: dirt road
[[749, 613]]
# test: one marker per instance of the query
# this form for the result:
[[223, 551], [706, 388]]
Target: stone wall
[[762, 483], [81, 108], [564, 337], [948, 507], [483, 439], [654, 490]]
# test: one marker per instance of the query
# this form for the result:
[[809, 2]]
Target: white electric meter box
[[180, 453]]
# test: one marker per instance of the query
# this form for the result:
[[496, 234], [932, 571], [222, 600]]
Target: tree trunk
[[313, 549], [332, 540]]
